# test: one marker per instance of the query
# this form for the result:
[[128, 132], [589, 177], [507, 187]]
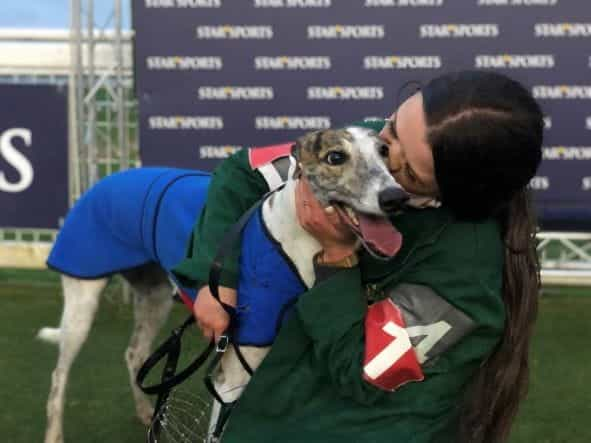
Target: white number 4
[[432, 333]]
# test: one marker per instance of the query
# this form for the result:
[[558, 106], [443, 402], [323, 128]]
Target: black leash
[[171, 348]]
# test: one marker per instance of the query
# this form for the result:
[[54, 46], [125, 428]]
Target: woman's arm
[[236, 185], [414, 334], [234, 188]]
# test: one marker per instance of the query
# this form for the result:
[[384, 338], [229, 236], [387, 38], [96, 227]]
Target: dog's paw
[[145, 415]]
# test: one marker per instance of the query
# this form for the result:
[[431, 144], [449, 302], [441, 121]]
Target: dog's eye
[[335, 158], [384, 150]]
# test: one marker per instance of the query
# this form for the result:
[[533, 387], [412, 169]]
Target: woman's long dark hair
[[486, 133]]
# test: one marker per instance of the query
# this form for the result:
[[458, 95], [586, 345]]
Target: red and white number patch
[[390, 360], [258, 157]]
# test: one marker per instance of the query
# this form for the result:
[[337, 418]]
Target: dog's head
[[346, 168]]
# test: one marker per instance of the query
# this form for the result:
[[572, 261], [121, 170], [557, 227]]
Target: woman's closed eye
[[410, 174], [392, 128]]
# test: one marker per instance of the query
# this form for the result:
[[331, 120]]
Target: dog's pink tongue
[[380, 235]]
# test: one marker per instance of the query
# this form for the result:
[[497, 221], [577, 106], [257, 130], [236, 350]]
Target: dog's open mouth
[[377, 234]]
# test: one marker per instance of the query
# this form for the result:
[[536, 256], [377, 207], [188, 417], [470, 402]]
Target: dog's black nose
[[392, 199]]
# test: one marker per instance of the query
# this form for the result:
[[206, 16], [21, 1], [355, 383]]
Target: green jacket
[[310, 386]]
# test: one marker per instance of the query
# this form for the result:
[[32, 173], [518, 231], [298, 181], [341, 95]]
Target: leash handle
[[170, 350]]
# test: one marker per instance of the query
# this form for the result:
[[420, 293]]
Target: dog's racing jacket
[[380, 352]]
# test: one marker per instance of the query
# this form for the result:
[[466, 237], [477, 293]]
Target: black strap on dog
[[215, 273], [171, 348]]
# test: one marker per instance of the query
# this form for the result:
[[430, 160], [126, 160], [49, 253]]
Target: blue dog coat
[[268, 286], [129, 219], [147, 215]]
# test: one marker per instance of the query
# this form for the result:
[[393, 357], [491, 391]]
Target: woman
[[466, 279]]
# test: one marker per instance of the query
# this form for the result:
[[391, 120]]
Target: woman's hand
[[211, 318], [324, 224]]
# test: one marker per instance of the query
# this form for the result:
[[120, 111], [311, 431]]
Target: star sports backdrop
[[214, 76]]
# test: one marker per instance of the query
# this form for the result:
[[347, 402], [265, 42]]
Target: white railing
[[565, 258]]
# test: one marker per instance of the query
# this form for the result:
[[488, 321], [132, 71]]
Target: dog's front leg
[[231, 377]]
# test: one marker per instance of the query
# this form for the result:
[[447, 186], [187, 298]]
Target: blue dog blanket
[[147, 215], [268, 286], [128, 219]]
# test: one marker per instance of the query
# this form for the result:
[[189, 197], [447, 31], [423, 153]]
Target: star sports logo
[[178, 63], [561, 92], [588, 123], [401, 3], [232, 32], [539, 183], [560, 30], [373, 62], [517, 2], [291, 63], [217, 152], [586, 184], [292, 3], [547, 122], [345, 93], [346, 32], [304, 123], [567, 153], [235, 93], [515, 61], [183, 3], [486, 30], [186, 122]]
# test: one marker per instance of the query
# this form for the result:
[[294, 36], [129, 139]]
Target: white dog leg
[[80, 304], [231, 378], [151, 308]]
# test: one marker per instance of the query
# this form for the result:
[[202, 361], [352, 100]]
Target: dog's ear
[[310, 141], [296, 153], [306, 146], [296, 149]]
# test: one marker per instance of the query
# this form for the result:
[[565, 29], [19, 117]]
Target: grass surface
[[99, 406]]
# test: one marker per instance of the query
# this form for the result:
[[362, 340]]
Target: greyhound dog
[[138, 223]]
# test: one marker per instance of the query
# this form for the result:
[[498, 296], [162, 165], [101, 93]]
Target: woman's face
[[410, 158]]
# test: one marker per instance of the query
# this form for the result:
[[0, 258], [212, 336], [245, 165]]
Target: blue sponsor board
[[213, 77], [33, 156]]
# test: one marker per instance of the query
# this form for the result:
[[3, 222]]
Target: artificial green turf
[[99, 406], [559, 403]]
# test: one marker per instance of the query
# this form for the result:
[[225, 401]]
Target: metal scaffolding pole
[[89, 102], [74, 111], [99, 143], [121, 114]]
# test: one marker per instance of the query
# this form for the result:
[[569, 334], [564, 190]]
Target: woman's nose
[[394, 160]]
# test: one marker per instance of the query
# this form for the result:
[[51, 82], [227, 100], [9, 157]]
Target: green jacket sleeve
[[234, 188], [332, 315]]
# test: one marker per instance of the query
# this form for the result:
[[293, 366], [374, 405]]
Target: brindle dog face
[[346, 166]]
